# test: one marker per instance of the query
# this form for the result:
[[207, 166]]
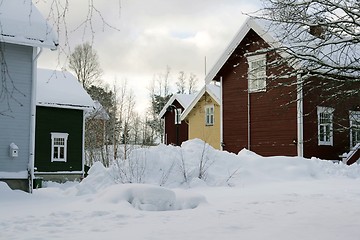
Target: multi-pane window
[[354, 117], [178, 116], [59, 147], [209, 115], [257, 73], [325, 125]]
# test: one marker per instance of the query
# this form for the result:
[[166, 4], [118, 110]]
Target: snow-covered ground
[[242, 196]]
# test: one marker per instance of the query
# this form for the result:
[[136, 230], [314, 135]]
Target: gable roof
[[249, 23], [183, 99], [22, 23], [213, 90], [334, 52], [61, 89]]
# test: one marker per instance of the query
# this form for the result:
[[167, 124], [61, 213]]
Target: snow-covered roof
[[22, 23], [213, 90], [334, 53], [61, 89], [183, 99], [250, 23], [99, 112]]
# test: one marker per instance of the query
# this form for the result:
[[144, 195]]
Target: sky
[[243, 196], [137, 40]]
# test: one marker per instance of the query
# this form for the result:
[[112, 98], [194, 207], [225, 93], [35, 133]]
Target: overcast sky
[[151, 35]]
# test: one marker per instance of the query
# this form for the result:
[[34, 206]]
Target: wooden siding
[[64, 121], [314, 96], [197, 126], [15, 105], [273, 119], [175, 133]]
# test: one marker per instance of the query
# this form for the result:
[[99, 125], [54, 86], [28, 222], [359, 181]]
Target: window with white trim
[[257, 73], [354, 117], [325, 125], [178, 116], [209, 115], [59, 147]]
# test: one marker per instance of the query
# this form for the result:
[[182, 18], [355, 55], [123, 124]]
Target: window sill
[[257, 91], [52, 160]]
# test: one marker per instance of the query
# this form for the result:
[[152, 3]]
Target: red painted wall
[[175, 134], [272, 115], [316, 94]]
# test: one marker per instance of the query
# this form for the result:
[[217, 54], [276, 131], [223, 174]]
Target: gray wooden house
[[61, 106], [23, 34]]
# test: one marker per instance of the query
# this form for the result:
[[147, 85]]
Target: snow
[[99, 112], [241, 196], [61, 89], [183, 99], [22, 23], [212, 89]]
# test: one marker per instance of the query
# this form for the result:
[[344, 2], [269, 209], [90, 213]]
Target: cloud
[[151, 35]]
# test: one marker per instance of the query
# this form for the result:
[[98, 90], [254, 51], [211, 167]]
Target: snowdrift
[[197, 163], [156, 178]]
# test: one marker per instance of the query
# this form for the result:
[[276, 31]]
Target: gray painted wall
[[16, 68]]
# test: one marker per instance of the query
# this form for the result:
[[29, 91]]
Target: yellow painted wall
[[197, 125]]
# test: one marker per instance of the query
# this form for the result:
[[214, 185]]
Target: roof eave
[[228, 51], [250, 23], [28, 42], [64, 105], [168, 103], [196, 100]]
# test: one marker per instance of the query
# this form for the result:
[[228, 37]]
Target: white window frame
[[325, 129], [354, 118], [178, 115], [55, 144], [209, 115], [257, 74]]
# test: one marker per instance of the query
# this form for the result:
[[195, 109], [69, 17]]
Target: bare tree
[[159, 95], [126, 116], [186, 84], [192, 83], [321, 38], [84, 61], [99, 125], [181, 83]]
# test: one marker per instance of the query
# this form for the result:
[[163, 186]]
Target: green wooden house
[[62, 104]]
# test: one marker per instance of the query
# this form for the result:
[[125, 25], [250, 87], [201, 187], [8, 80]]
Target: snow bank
[[7, 194], [98, 179], [163, 178], [100, 186], [196, 163]]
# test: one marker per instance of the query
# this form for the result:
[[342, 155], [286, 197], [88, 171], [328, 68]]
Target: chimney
[[318, 31]]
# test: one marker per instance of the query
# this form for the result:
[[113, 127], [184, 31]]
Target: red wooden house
[[274, 116], [175, 130]]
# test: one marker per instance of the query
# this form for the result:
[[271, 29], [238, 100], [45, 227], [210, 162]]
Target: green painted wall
[[62, 120]]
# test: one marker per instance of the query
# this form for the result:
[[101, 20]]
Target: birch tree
[[84, 62]]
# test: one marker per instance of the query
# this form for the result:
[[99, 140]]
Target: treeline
[[114, 128]]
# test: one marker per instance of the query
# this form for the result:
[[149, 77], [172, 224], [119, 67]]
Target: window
[[257, 73], [325, 125], [209, 115], [59, 147], [178, 116], [354, 117]]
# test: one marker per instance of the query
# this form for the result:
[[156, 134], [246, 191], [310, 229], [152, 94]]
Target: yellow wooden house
[[203, 116]]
